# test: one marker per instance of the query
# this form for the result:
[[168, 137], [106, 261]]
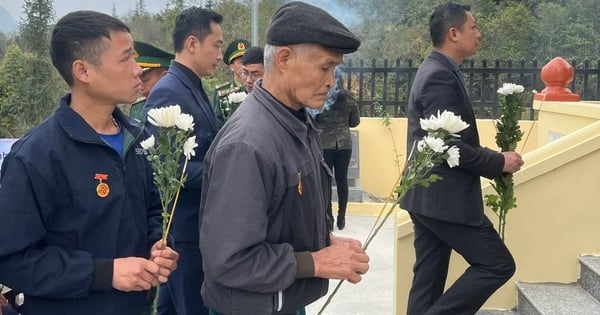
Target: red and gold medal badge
[[102, 189]]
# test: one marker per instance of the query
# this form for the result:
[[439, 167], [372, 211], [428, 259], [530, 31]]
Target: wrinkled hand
[[166, 259], [134, 274], [512, 162], [339, 240], [343, 259]]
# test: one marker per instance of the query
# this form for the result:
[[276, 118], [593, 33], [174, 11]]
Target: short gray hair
[[270, 52], [299, 49]]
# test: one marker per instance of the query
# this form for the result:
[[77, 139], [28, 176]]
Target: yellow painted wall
[[378, 169], [561, 118]]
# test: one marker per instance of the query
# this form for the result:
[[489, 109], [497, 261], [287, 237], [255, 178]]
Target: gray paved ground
[[374, 294]]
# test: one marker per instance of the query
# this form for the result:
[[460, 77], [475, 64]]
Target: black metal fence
[[387, 84]]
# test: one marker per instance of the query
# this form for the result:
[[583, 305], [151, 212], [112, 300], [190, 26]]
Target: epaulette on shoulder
[[222, 86]]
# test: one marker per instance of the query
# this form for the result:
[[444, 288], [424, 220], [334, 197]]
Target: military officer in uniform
[[155, 63], [233, 58]]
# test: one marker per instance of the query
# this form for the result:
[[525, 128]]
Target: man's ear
[[81, 71], [191, 43], [453, 34], [283, 57]]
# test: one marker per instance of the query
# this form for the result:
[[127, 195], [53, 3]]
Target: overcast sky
[[62, 7]]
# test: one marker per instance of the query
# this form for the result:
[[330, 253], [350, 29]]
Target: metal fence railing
[[386, 84]]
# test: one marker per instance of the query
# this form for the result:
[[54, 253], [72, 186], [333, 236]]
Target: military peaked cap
[[234, 50], [149, 57]]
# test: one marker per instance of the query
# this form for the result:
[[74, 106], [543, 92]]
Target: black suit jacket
[[457, 197]]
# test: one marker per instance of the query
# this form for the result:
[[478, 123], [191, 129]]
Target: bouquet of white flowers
[[164, 153], [508, 134], [432, 150], [233, 102]]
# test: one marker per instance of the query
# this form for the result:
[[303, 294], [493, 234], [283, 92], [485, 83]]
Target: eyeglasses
[[253, 75]]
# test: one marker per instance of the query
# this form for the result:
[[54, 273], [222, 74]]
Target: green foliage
[[35, 27], [29, 91]]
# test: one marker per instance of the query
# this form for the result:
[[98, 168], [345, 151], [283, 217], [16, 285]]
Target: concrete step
[[355, 194], [589, 274], [555, 299], [496, 312]]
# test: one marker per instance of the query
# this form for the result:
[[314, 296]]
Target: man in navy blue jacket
[[80, 228], [197, 41]]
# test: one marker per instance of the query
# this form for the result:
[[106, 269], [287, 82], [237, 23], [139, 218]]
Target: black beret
[[234, 50], [297, 23], [253, 55]]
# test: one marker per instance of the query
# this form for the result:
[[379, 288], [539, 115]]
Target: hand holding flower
[[508, 134], [432, 150], [172, 143], [166, 259]]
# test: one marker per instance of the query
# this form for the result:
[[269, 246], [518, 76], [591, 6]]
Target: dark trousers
[[181, 294], [491, 265], [338, 161], [300, 312]]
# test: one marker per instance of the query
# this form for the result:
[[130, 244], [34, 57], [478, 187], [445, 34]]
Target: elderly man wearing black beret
[[264, 233]]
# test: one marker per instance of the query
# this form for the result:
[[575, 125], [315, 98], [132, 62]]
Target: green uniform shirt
[[137, 110], [223, 110]]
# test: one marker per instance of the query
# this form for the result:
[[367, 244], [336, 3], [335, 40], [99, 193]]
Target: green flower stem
[[164, 159], [172, 214], [508, 134]]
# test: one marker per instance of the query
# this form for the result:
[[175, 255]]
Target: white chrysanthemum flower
[[446, 120], [434, 143], [185, 122], [148, 143], [164, 116], [510, 88], [188, 147], [453, 156], [237, 98], [421, 145]]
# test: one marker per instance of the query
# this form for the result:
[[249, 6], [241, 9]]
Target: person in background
[[233, 58], [338, 115], [81, 184], [155, 63], [253, 67], [448, 215], [197, 41], [264, 235]]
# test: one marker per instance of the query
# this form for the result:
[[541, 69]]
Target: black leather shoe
[[341, 223]]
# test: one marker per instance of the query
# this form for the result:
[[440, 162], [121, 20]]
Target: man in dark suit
[[449, 214], [197, 41]]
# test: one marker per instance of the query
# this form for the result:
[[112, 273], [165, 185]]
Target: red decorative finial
[[557, 75]]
